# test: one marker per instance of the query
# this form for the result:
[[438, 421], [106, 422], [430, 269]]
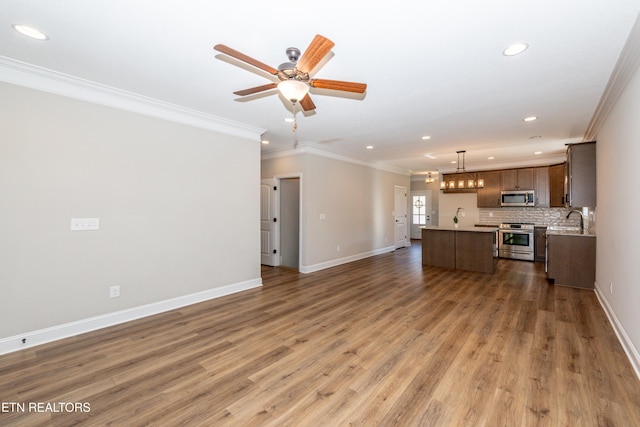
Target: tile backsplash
[[538, 216]]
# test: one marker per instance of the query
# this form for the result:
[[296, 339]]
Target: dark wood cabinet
[[556, 186], [541, 187], [517, 179], [439, 248], [540, 243], [581, 175], [489, 195], [459, 249], [572, 260], [474, 251]]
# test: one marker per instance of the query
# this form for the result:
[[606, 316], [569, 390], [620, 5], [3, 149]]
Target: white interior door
[[268, 244], [420, 212], [400, 215]]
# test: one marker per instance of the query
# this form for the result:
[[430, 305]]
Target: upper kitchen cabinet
[[489, 193], [580, 180], [517, 179], [541, 188], [556, 186]]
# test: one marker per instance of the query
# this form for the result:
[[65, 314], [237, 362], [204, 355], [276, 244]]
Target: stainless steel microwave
[[517, 198]]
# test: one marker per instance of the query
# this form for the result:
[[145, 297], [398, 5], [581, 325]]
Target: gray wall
[[618, 229], [357, 201], [178, 209], [418, 184]]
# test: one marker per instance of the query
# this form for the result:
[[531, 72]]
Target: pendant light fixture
[[461, 180], [429, 179]]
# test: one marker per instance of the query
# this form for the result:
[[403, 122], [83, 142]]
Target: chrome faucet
[[581, 219]]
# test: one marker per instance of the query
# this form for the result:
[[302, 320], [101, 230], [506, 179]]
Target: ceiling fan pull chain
[[293, 112]]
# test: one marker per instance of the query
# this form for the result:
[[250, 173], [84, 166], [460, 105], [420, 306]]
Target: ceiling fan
[[294, 77]]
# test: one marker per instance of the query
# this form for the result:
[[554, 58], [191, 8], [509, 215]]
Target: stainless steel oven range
[[515, 241]]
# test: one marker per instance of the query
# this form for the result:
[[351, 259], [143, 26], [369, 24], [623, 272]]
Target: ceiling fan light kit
[[294, 75], [293, 90]]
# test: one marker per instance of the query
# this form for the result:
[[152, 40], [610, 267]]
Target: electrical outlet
[[114, 291], [611, 288], [338, 248]]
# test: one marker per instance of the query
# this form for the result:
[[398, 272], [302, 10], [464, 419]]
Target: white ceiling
[[432, 68]]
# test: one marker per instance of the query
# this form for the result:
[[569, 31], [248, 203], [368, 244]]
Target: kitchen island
[[470, 248]]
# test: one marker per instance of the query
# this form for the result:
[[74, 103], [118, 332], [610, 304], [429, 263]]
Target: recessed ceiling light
[[538, 152], [530, 118], [369, 147], [30, 32], [431, 156], [426, 137], [453, 162], [264, 141], [515, 49], [490, 158], [289, 119]]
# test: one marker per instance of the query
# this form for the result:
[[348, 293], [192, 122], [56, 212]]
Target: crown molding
[[310, 148], [39, 78], [625, 69]]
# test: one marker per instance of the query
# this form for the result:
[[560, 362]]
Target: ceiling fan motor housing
[[287, 70], [293, 53]]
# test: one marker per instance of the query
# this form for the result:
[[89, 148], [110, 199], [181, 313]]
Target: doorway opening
[[290, 223], [280, 233]]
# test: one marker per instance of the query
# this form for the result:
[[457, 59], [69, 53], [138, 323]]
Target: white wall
[[178, 209], [356, 200], [618, 252]]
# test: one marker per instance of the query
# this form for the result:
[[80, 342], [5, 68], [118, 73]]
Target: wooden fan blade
[[317, 50], [244, 58], [256, 89], [307, 104], [338, 85]]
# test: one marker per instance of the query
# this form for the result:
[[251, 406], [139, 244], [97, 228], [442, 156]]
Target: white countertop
[[568, 232]]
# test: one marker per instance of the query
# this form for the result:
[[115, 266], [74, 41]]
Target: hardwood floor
[[381, 341]]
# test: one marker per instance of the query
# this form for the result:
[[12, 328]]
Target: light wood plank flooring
[[381, 341]]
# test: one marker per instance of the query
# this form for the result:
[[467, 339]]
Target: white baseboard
[[627, 345], [54, 333], [345, 260]]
